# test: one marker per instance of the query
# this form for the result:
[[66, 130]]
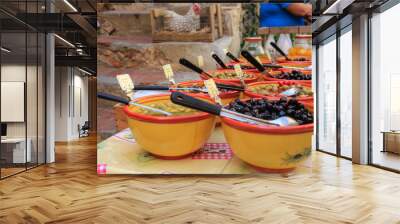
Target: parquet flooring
[[330, 191]]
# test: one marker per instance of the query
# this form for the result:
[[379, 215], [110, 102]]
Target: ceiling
[[330, 15], [73, 20]]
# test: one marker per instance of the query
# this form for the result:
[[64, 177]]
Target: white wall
[[61, 103], [33, 127], [71, 94], [14, 73]]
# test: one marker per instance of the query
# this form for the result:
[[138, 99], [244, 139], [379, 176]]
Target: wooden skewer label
[[258, 59], [200, 61], [169, 73], [212, 89], [239, 73], [125, 82]]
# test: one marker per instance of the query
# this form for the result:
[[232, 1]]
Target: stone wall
[[128, 47]]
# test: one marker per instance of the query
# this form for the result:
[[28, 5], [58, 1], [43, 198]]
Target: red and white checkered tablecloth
[[101, 168], [214, 151]]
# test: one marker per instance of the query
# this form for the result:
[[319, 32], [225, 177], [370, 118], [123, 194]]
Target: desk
[[18, 151], [391, 141]]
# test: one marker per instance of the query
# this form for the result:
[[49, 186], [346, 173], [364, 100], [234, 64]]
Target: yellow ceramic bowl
[[172, 137], [268, 148]]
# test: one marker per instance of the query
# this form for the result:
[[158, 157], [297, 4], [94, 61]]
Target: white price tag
[[212, 89], [239, 73], [200, 61], [169, 74], [258, 59], [238, 70], [126, 83]]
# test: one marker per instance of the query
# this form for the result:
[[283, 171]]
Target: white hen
[[183, 23]]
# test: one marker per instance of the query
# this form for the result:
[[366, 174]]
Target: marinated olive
[[276, 89], [175, 109], [293, 75], [195, 86], [271, 110], [230, 75]]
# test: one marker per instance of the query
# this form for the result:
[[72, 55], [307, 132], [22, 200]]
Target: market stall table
[[120, 154]]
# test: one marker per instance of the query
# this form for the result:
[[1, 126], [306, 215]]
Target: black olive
[[270, 110]]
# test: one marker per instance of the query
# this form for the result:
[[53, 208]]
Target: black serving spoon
[[190, 65], [231, 56], [219, 60], [107, 96], [280, 51], [261, 67], [256, 63]]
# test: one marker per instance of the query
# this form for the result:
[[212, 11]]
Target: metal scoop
[[285, 121], [118, 99], [294, 91]]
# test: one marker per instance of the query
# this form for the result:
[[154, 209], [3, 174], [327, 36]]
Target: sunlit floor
[[327, 190], [386, 159], [14, 169], [10, 171]]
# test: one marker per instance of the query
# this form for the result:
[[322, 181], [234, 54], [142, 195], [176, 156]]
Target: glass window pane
[[346, 94], [23, 78], [13, 84], [385, 82], [327, 97]]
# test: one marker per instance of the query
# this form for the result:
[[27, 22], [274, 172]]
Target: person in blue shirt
[[284, 14]]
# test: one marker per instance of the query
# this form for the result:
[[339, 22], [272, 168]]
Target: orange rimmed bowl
[[301, 64], [269, 148], [303, 99], [294, 61], [226, 96], [273, 73], [254, 76], [171, 137]]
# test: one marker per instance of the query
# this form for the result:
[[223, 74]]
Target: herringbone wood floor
[[69, 191]]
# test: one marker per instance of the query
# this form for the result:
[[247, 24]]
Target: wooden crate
[[211, 26]]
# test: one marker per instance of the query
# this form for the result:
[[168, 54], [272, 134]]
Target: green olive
[[229, 75], [175, 109]]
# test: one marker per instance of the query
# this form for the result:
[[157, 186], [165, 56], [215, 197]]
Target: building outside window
[[346, 93], [385, 89], [327, 96]]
